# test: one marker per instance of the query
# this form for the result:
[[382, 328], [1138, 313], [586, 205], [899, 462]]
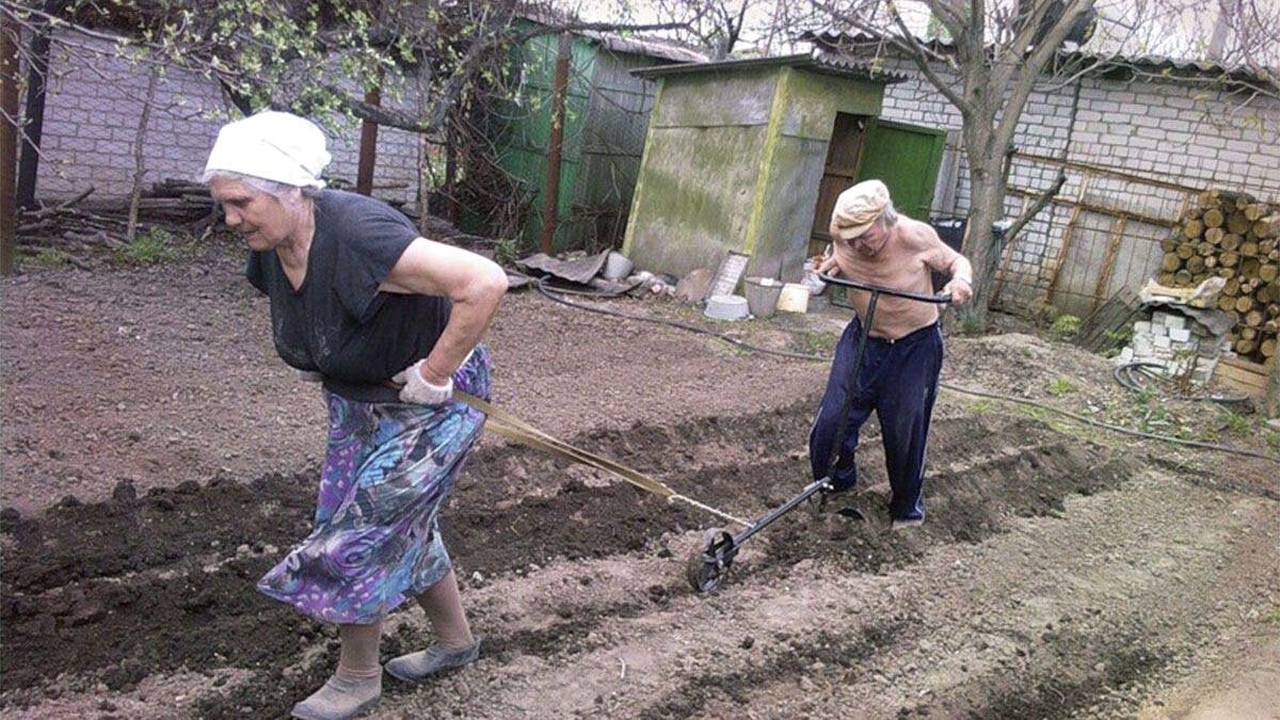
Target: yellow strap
[[510, 426]]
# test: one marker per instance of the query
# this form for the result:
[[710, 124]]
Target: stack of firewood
[[82, 222], [1235, 237]]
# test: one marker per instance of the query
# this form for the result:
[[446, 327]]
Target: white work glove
[[417, 390]]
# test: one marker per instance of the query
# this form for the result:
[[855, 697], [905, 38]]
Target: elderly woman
[[389, 323]]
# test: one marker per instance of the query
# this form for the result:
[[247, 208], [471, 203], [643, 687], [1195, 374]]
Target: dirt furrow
[[817, 641], [571, 575]]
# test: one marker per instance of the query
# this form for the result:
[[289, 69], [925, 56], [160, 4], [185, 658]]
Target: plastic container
[[617, 266], [812, 280], [762, 295], [794, 298], [726, 307]]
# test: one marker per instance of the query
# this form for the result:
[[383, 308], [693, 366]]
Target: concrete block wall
[[94, 104], [1178, 343], [92, 110]]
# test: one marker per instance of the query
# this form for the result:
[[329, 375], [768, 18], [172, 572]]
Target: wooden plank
[[1118, 312], [1056, 266], [1244, 365], [1108, 261], [1242, 375]]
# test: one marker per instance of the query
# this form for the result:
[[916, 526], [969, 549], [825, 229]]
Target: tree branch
[[907, 40], [1040, 203]]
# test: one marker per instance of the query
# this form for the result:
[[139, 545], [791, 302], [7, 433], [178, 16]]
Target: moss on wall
[[716, 99], [733, 161], [694, 197]]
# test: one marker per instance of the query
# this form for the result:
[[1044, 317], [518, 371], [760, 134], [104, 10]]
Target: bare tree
[[720, 28], [317, 57], [990, 59], [986, 57]]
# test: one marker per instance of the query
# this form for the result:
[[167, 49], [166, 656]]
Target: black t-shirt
[[338, 323]]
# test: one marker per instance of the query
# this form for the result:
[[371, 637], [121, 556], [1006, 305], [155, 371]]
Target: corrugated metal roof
[[634, 44], [816, 60], [1183, 67], [837, 42], [648, 47]]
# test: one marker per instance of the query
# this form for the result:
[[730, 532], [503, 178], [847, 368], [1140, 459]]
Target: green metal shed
[[748, 156], [606, 116]]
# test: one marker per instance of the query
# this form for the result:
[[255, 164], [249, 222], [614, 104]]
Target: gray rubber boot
[[418, 666], [340, 700]]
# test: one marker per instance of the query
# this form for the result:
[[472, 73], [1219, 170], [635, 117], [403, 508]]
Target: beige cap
[[271, 145], [858, 207]]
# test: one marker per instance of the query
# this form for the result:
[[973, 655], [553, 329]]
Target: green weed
[[1060, 387], [1143, 396], [1273, 440], [983, 406], [1065, 326], [1114, 340], [1119, 337], [1235, 422], [813, 342], [970, 322], [1157, 419], [506, 251], [150, 247], [49, 258]]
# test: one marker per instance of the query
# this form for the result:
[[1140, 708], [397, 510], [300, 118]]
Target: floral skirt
[[376, 540]]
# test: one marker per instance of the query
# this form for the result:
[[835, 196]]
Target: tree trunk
[[982, 246], [37, 82], [8, 145], [139, 148]]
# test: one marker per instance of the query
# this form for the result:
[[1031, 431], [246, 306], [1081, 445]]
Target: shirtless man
[[874, 244]]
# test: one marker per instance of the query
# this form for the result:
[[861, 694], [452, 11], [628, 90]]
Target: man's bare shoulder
[[918, 234]]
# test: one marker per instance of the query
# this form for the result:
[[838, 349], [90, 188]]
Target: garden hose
[[991, 396]]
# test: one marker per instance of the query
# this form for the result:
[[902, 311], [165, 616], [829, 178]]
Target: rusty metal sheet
[[580, 270], [517, 280]]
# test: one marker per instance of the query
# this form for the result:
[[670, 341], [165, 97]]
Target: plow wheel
[[707, 566]]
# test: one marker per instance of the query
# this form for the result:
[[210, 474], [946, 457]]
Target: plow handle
[[875, 290]]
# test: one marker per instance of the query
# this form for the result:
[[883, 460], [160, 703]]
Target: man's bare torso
[[904, 262]]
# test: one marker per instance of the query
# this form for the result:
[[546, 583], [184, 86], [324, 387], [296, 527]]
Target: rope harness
[[513, 428]]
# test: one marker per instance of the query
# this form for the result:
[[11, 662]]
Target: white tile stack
[[1177, 342]]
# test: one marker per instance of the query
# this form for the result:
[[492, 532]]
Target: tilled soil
[[158, 460]]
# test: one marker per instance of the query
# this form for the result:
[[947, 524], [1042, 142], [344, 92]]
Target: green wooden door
[[906, 158]]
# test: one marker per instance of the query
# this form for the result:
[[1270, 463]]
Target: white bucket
[[726, 307], [617, 266], [794, 298]]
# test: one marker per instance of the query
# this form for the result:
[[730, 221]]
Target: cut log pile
[[1235, 237]]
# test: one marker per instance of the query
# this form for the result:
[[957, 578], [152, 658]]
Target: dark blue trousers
[[899, 381]]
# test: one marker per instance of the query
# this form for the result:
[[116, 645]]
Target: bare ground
[[158, 458]]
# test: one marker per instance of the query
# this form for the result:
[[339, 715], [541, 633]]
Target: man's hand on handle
[[959, 289]]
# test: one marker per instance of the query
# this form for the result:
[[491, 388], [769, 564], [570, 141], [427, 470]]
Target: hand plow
[[706, 568]]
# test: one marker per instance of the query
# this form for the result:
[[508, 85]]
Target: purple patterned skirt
[[376, 539]]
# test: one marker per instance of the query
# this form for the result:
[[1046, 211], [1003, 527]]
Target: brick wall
[[94, 106], [1170, 132], [1156, 143]]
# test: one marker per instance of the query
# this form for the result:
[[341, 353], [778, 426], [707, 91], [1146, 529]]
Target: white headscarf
[[274, 146]]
